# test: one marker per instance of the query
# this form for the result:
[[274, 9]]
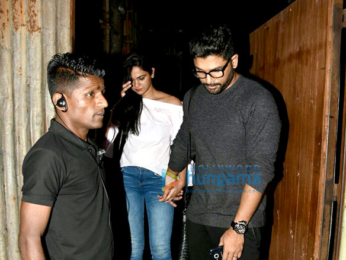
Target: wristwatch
[[239, 227]]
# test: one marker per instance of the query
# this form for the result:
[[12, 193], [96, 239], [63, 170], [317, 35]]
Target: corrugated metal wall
[[31, 32]]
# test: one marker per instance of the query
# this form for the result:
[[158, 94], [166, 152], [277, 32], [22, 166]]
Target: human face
[[86, 105], [214, 62], [141, 81]]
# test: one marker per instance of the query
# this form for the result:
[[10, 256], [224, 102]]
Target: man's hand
[[173, 187], [232, 244]]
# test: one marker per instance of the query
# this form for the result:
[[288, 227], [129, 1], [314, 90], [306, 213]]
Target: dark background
[[162, 30]]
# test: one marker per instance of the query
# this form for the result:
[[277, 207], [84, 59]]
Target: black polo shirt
[[60, 171]]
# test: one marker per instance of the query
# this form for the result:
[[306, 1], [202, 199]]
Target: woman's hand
[[125, 87], [173, 188]]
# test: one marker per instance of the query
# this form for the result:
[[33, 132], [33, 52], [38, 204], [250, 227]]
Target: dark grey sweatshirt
[[234, 138]]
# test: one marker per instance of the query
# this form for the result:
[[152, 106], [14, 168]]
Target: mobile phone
[[216, 253]]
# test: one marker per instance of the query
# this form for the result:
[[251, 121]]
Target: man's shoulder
[[190, 92], [253, 87], [47, 146], [46, 141], [254, 91]]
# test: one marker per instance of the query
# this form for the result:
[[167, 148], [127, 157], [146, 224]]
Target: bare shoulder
[[164, 97], [173, 100]]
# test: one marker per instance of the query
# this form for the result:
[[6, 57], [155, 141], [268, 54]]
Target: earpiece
[[62, 103]]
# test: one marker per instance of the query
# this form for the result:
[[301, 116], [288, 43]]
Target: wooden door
[[297, 53]]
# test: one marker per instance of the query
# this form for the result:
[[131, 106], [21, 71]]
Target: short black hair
[[213, 39], [64, 70]]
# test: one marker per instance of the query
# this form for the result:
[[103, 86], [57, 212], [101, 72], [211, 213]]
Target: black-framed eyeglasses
[[213, 73]]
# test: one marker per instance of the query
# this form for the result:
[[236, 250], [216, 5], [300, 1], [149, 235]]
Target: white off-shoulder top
[[159, 124]]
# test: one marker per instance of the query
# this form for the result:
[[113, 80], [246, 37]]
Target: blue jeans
[[143, 186]]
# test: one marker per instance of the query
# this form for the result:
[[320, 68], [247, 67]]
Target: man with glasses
[[232, 128]]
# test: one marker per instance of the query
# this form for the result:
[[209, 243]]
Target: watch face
[[240, 228]]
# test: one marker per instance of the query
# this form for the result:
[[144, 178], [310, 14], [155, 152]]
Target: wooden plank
[[330, 113], [339, 249], [292, 56], [342, 160]]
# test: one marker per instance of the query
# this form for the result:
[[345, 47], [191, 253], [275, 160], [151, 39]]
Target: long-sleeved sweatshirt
[[234, 138]]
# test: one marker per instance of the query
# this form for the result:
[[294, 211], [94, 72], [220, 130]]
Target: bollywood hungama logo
[[214, 175]]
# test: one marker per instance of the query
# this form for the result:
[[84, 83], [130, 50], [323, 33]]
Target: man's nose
[[209, 79], [103, 102]]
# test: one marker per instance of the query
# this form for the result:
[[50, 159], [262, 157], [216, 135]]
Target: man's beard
[[221, 87]]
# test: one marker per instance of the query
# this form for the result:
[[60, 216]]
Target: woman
[[146, 121]]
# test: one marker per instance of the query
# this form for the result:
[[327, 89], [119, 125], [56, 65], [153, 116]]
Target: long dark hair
[[127, 112]]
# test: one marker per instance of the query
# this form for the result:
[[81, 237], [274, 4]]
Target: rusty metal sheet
[[19, 85], [49, 36], [31, 32]]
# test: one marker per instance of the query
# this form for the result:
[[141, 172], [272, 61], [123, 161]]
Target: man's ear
[[152, 73], [59, 102], [234, 61]]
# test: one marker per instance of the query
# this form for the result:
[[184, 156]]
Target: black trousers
[[202, 238]]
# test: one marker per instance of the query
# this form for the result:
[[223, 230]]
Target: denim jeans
[[143, 186]]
